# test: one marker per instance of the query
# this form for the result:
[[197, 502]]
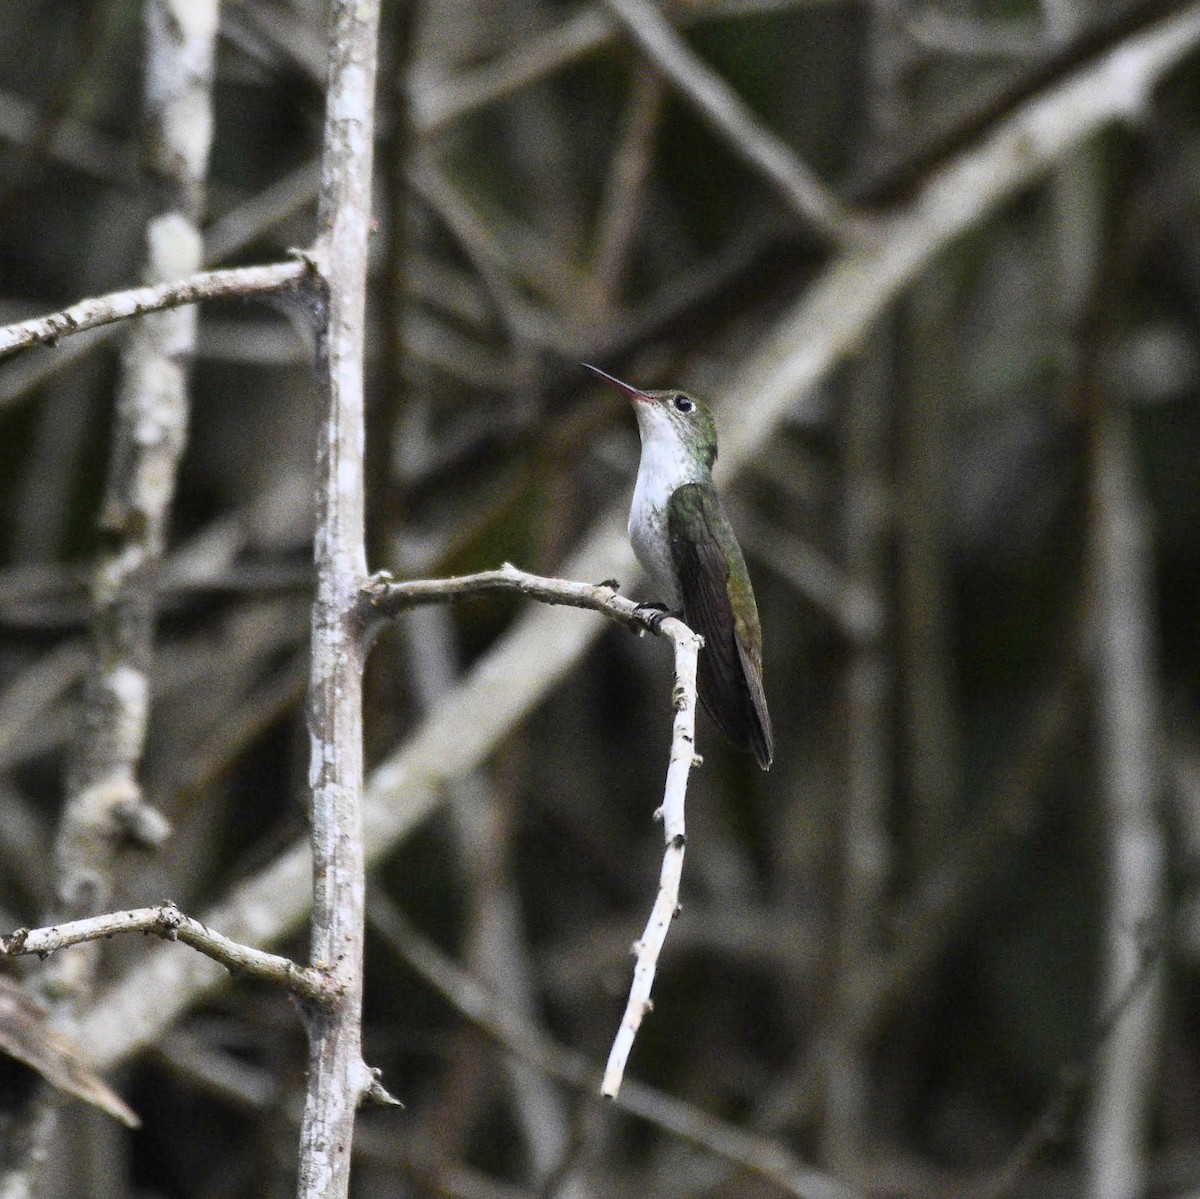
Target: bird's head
[[670, 417]]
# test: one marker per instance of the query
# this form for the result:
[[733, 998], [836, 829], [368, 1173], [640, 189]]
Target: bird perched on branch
[[682, 536]]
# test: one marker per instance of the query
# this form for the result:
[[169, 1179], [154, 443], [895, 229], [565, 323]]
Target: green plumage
[[718, 603], [681, 535]]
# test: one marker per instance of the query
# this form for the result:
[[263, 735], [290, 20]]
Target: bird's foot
[[658, 613]]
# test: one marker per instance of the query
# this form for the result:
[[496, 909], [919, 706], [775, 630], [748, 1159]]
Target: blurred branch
[[1013, 37], [29, 1035], [1135, 855], [105, 808], [1097, 265], [168, 922], [857, 614], [1084, 54], [439, 103], [242, 281], [866, 865], [1048, 1125], [928, 920], [74, 143], [495, 941], [769, 1160], [925, 612], [486, 254], [732, 118], [624, 200]]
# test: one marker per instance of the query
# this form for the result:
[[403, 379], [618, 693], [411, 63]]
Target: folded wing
[[718, 603]]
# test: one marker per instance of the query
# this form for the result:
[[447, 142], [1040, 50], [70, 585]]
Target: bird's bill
[[631, 393]]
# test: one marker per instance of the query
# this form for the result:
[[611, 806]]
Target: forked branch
[[384, 597], [167, 921]]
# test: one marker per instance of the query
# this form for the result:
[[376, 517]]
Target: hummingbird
[[683, 538]]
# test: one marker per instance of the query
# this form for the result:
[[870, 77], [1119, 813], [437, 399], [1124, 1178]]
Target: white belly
[[648, 536]]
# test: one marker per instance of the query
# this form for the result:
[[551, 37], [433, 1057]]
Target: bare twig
[[733, 119], [666, 904], [387, 597], [242, 281], [495, 942], [168, 922]]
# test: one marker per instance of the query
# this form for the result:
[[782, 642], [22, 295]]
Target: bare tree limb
[[389, 597], [731, 117], [666, 904], [242, 281], [338, 1079], [168, 922]]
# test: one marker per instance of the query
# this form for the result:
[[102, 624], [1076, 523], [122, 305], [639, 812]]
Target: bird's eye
[[683, 404]]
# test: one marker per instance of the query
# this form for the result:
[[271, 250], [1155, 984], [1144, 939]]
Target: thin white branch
[[732, 118], [387, 598], [168, 922], [239, 281], [666, 905]]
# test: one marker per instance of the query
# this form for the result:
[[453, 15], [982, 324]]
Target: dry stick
[[796, 351], [168, 922], [666, 905], [140, 301], [389, 598], [732, 118], [338, 1079], [1121, 631]]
